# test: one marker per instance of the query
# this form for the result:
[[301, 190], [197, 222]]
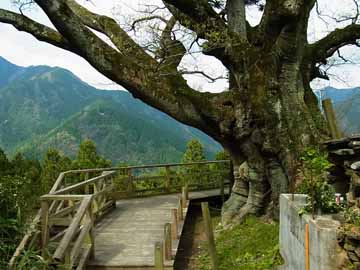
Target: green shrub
[[321, 195]]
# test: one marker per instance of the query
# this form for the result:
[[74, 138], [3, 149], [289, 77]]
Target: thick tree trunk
[[276, 122]]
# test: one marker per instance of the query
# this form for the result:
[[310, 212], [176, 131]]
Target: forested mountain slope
[[43, 107]]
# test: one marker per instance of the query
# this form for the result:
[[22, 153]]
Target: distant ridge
[[43, 107]]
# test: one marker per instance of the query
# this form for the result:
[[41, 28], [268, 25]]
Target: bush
[[320, 193]]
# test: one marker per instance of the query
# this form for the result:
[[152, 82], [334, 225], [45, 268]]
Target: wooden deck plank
[[125, 237]]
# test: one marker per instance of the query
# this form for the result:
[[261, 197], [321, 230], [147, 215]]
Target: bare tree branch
[[202, 73], [149, 18]]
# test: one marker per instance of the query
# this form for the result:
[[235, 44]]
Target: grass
[[252, 245]]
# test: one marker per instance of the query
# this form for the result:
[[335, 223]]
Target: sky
[[22, 49]]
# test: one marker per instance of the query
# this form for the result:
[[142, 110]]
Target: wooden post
[[180, 209], [68, 262], [95, 200], [130, 187], [91, 236], [185, 195], [168, 179], [174, 224], [331, 118], [44, 227], [159, 256], [209, 234], [307, 260], [72, 204], [87, 189], [168, 242]]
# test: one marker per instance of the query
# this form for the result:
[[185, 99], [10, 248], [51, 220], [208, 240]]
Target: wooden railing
[[63, 227], [67, 220]]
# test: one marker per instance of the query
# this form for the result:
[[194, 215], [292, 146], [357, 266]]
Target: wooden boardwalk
[[125, 238], [91, 220]]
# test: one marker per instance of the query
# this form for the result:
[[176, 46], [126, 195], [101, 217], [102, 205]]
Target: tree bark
[[281, 121]]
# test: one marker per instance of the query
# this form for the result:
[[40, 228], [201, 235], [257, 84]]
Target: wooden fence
[[64, 226]]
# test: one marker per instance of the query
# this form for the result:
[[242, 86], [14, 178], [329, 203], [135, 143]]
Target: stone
[[349, 246], [355, 179], [344, 152], [353, 257], [340, 235], [357, 251], [353, 235], [357, 265], [337, 143], [355, 166], [354, 144]]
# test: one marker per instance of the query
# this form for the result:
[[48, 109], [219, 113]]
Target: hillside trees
[[19, 191], [23, 180], [269, 113], [194, 152], [54, 163]]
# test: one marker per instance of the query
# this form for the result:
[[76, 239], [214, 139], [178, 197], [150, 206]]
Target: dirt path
[[191, 240]]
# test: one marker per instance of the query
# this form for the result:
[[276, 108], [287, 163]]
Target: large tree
[[269, 113]]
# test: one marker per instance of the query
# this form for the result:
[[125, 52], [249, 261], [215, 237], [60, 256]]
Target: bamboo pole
[[209, 234]]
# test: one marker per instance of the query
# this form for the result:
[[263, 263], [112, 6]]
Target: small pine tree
[[194, 152], [194, 174], [88, 157]]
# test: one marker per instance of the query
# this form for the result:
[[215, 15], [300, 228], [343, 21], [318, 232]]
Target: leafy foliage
[[194, 153], [19, 190], [352, 216], [320, 193], [88, 157]]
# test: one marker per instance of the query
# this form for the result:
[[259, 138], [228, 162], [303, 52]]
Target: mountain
[[347, 107], [43, 107], [8, 71]]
